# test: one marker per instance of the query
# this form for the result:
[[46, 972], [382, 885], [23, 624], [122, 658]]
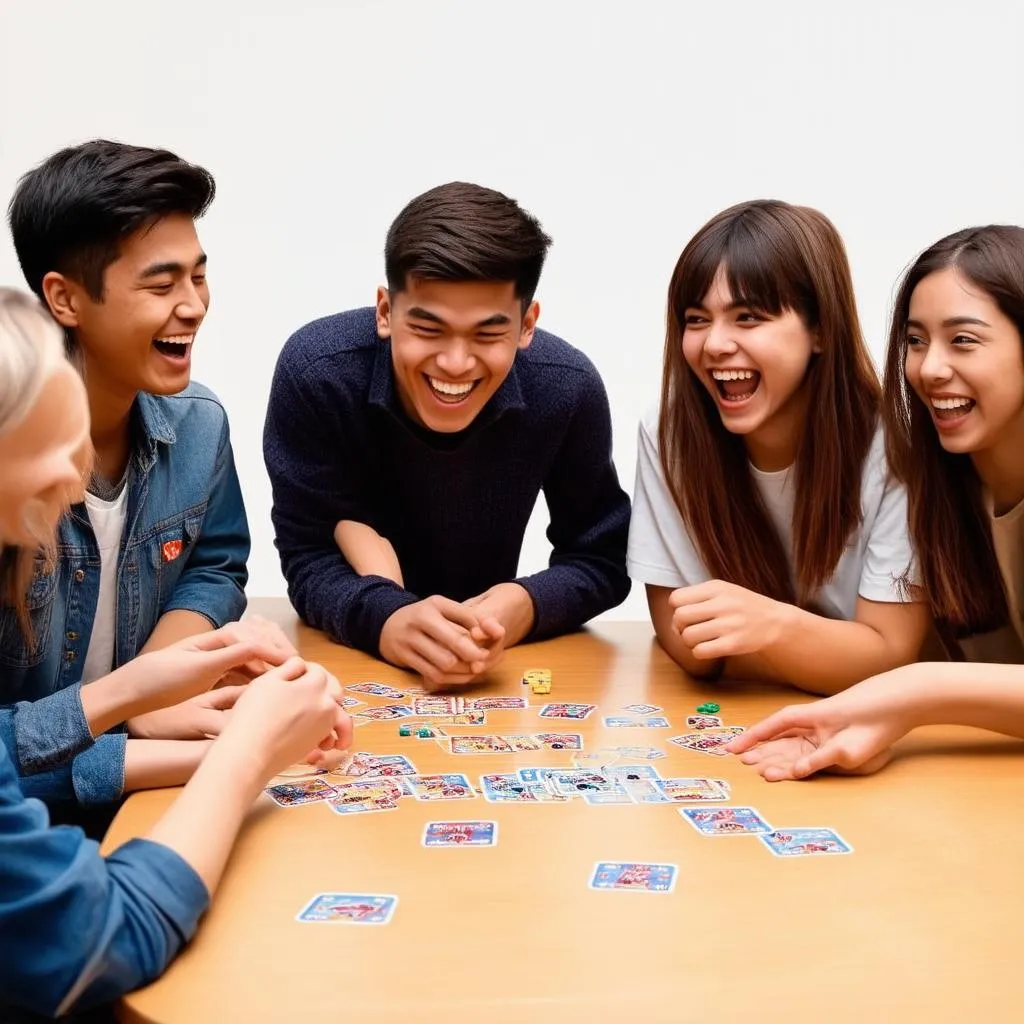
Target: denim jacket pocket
[[16, 649], [170, 548]]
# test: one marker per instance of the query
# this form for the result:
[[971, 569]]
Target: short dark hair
[[464, 232], [71, 213]]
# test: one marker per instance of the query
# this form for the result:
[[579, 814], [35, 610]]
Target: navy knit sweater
[[338, 445]]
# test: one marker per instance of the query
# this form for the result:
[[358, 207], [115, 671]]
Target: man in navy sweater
[[435, 419]]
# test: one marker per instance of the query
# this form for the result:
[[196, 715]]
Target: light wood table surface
[[923, 922]]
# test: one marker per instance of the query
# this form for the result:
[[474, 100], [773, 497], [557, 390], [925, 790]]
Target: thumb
[[224, 697], [831, 752]]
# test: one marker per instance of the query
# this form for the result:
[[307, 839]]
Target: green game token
[[404, 730], [424, 734], [710, 708]]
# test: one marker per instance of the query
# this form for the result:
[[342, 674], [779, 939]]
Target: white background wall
[[623, 126]]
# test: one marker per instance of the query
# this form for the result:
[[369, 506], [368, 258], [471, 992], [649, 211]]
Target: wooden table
[[923, 922]]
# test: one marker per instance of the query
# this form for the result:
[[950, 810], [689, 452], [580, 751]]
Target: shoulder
[[348, 338], [559, 373], [196, 406]]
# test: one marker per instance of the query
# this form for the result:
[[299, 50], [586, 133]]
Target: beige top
[[1005, 645]]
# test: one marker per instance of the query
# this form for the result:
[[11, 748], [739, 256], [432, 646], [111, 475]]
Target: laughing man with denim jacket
[[106, 237]]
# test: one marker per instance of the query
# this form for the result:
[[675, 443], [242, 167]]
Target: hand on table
[[721, 620], [849, 733]]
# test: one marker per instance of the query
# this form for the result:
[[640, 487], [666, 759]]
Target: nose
[[718, 341], [935, 366], [192, 305], [456, 358]]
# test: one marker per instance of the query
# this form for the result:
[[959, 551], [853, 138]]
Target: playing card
[[631, 772], [446, 786], [390, 764], [645, 791], [709, 741], [355, 765], [362, 796], [634, 877], [643, 753], [686, 791], [377, 690], [622, 722], [577, 782], [805, 842], [384, 713], [506, 788], [560, 740], [349, 908], [616, 795], [303, 791], [521, 741], [460, 833], [431, 705], [351, 702], [703, 721], [641, 709], [577, 711], [478, 745], [725, 821], [497, 704]]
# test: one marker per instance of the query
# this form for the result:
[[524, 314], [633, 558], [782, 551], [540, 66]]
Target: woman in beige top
[[954, 411]]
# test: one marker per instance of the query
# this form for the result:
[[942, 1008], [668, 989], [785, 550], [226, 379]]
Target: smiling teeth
[[951, 403], [733, 374], [178, 339], [450, 389]]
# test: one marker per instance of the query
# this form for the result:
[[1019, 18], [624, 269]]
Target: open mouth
[[448, 392], [176, 347], [736, 386], [951, 409]]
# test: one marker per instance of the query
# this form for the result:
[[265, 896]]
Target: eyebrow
[[156, 269], [953, 321], [495, 320]]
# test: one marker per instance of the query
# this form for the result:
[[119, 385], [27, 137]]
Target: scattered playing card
[[354, 765], [709, 741], [390, 764], [641, 709], [460, 833], [634, 877], [497, 704], [363, 796], [643, 753], [689, 791], [304, 791], [446, 786], [377, 690], [351, 702], [506, 788], [703, 721], [725, 821], [616, 795], [521, 742], [577, 781], [477, 745], [431, 705], [622, 722], [805, 842], [384, 713], [577, 711], [632, 772], [349, 908], [560, 740]]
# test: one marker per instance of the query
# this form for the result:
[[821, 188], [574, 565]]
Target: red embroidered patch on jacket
[[171, 549]]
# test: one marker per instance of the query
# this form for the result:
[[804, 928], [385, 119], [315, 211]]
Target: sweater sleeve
[[318, 476], [77, 929], [589, 523]]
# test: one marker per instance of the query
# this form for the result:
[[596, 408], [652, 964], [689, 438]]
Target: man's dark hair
[[463, 232], [71, 213]]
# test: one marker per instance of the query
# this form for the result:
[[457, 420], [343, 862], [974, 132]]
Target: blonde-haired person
[[78, 929]]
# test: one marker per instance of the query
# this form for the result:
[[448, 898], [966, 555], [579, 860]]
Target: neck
[[1001, 468], [772, 447], [110, 417]]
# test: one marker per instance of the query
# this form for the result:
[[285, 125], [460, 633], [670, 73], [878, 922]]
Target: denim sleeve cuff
[[98, 773], [183, 896], [51, 731], [221, 603]]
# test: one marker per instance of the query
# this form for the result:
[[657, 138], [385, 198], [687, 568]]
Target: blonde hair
[[31, 348], [31, 351]]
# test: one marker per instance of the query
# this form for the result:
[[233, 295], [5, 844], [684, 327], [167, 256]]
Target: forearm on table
[[570, 593], [202, 823], [855, 651], [980, 695], [155, 764]]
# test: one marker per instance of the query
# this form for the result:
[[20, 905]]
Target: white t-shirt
[[877, 554], [107, 518]]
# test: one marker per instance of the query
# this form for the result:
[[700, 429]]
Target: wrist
[[518, 615], [233, 766], [110, 700]]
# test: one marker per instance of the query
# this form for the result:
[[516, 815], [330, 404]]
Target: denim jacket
[[184, 546]]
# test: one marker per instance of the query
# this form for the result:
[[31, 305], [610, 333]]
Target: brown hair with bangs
[[775, 257], [948, 521]]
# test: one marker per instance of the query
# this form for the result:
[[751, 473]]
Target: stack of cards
[[437, 704], [709, 740], [383, 713], [516, 743], [366, 765]]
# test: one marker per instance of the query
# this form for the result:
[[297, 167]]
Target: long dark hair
[[948, 521], [776, 257]]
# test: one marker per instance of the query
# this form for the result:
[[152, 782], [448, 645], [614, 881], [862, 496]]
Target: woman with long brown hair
[[766, 525]]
